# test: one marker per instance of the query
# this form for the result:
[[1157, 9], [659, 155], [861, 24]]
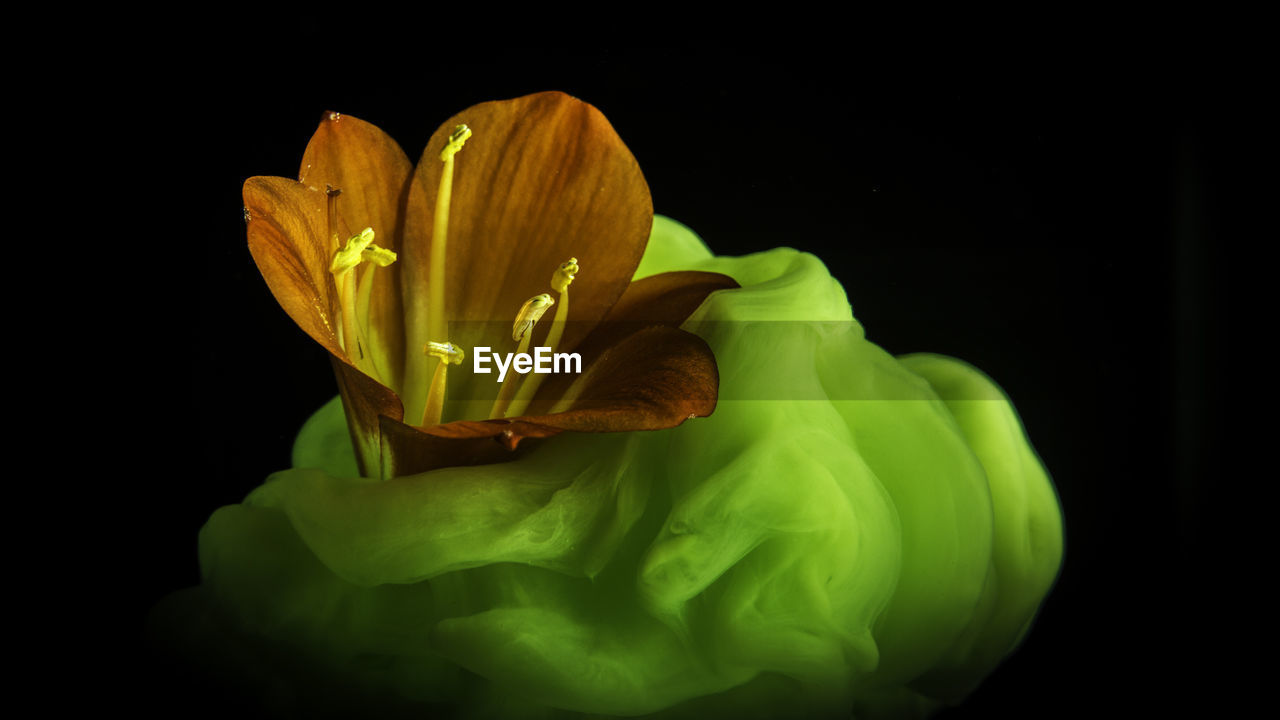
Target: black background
[[1057, 226]]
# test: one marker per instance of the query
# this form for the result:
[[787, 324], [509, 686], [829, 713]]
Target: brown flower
[[543, 179]]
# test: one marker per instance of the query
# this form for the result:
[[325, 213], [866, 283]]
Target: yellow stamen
[[353, 296], [560, 281], [358, 249], [374, 257], [448, 354], [522, 331], [364, 299], [439, 246]]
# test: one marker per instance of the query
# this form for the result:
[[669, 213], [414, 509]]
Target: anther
[[351, 254], [530, 313], [379, 256], [446, 351]]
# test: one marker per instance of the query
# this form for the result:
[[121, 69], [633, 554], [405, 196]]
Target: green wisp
[[849, 531]]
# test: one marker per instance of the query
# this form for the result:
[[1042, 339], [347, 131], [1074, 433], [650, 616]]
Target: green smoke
[[848, 532]]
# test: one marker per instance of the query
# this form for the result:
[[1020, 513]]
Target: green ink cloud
[[848, 531]]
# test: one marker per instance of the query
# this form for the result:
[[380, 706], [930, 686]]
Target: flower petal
[[666, 299], [656, 378], [288, 242], [367, 403], [373, 174], [543, 178], [407, 450]]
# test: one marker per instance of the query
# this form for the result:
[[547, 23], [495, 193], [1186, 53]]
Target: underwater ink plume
[[740, 508]]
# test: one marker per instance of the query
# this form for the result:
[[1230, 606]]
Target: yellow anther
[[529, 315], [350, 254], [564, 275], [379, 256], [456, 141], [446, 351], [358, 249]]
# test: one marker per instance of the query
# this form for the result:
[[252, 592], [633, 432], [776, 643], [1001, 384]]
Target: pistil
[[435, 283]]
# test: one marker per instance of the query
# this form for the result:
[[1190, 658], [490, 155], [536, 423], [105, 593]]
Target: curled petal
[[287, 240], [373, 174], [655, 379], [666, 299]]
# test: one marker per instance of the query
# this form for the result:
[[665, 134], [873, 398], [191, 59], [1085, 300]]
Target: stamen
[[373, 258], [448, 354], [358, 249], [560, 281], [522, 331], [435, 282]]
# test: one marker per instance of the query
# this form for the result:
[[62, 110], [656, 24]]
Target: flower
[[453, 248]]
